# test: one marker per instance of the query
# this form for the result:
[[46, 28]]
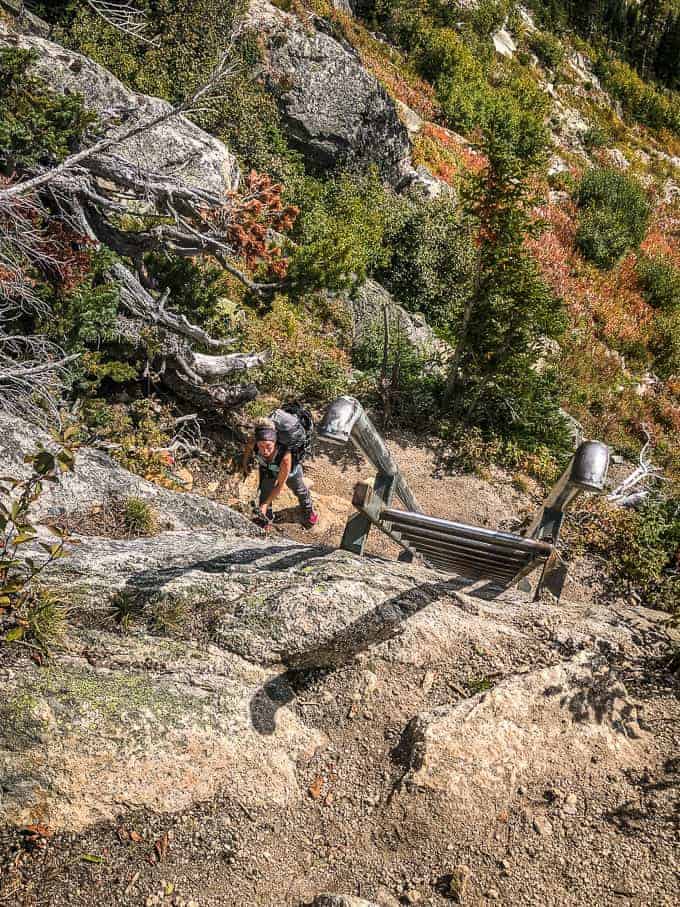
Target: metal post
[[587, 472], [346, 420]]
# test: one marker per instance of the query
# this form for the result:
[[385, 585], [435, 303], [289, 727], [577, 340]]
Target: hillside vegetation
[[545, 252]]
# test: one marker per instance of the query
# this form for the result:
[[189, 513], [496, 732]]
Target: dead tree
[[640, 479], [124, 16], [91, 192]]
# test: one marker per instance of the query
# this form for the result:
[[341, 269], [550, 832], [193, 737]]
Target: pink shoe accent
[[312, 519]]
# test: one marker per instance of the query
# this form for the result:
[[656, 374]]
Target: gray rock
[[140, 722], [538, 727], [97, 479], [503, 43], [582, 68], [334, 110], [428, 186], [409, 118], [177, 147], [271, 603], [542, 826], [366, 309], [343, 6]]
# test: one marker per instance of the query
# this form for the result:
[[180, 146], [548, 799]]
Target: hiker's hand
[[263, 510]]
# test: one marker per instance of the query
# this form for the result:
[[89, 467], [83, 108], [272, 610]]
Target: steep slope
[[246, 711]]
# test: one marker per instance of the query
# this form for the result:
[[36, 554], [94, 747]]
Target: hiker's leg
[[267, 482], [296, 483]]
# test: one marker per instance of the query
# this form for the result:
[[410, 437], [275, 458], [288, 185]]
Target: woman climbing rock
[[279, 464]]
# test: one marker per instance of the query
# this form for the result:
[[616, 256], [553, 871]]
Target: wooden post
[[359, 525]]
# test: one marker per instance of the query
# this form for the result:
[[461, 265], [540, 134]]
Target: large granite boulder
[[176, 146], [135, 722], [335, 111]]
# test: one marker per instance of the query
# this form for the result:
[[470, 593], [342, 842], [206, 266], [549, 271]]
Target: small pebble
[[542, 825]]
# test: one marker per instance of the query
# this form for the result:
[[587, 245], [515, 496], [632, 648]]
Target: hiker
[[279, 465]]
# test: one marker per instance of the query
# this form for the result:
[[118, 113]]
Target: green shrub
[[665, 345], [641, 546], [641, 100], [614, 214], [549, 49], [36, 125], [29, 613], [306, 361], [84, 314], [430, 265], [562, 181], [595, 137], [601, 237], [660, 281], [450, 63], [139, 517], [404, 20], [46, 619], [339, 232], [404, 382]]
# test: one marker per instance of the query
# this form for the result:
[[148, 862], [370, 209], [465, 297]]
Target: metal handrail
[[346, 420]]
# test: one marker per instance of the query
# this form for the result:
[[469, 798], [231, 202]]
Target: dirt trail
[[334, 472]]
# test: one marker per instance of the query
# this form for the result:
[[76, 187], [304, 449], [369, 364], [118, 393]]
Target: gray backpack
[[294, 428]]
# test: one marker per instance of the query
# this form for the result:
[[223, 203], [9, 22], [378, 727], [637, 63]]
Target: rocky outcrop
[[276, 602], [411, 120], [187, 651], [551, 726], [139, 721], [334, 110], [97, 480], [427, 186], [176, 147]]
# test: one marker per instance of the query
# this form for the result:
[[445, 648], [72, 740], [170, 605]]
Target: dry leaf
[[161, 846], [315, 787], [136, 837]]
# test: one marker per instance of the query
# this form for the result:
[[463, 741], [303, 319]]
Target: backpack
[[295, 430]]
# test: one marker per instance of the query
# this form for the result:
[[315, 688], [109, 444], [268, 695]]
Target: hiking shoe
[[311, 519]]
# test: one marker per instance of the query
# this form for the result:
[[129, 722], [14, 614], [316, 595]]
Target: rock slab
[[335, 111], [176, 147]]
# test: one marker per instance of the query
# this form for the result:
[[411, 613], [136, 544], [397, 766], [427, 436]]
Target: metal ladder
[[474, 552]]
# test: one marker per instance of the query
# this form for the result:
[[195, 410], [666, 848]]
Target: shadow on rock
[[154, 579], [384, 622], [600, 698]]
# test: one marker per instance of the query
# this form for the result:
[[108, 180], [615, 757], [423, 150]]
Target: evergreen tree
[[492, 381]]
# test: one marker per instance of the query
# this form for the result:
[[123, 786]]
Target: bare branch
[[125, 17], [224, 69], [644, 473], [142, 303], [32, 377]]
